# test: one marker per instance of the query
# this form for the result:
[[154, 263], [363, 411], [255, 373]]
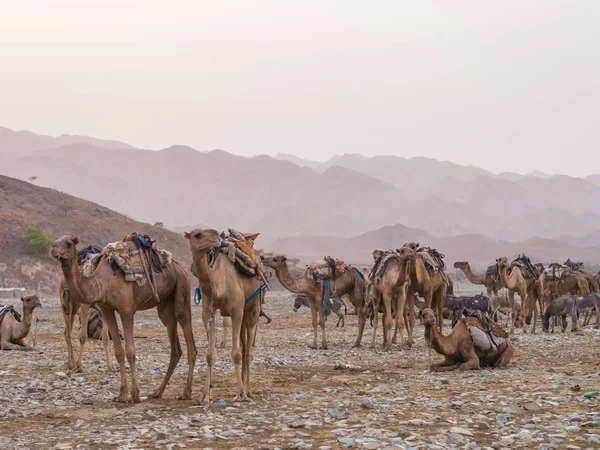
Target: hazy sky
[[509, 86]]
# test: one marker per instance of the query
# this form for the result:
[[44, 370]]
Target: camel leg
[[69, 310], [362, 320], [511, 299], [111, 321], [209, 325], [388, 322], [524, 309], [400, 306], [183, 314], [226, 325], [470, 364], [376, 301], [506, 356], [127, 320], [314, 315], [6, 345], [106, 344], [237, 317], [439, 296], [533, 303], [251, 328], [84, 312], [322, 321], [446, 365], [411, 318], [167, 317]]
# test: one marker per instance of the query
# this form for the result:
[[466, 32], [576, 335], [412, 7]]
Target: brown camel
[[390, 289], [432, 287], [554, 284], [589, 276], [515, 282], [70, 308], [349, 282], [459, 348], [113, 294], [226, 290], [492, 285], [13, 332]]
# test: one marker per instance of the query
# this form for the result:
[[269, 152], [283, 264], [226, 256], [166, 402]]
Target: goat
[[563, 306], [336, 307]]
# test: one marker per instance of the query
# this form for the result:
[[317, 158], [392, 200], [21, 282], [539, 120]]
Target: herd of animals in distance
[[403, 285]]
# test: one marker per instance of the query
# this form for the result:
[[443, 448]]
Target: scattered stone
[[531, 406]]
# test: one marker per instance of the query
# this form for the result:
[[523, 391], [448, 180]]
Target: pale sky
[[508, 86]]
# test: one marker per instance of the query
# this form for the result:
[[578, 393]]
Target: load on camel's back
[[474, 342]]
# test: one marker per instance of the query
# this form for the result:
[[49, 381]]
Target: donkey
[[336, 306]]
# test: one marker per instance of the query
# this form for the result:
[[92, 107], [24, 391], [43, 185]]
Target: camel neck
[[204, 273], [437, 339], [88, 291], [295, 285], [472, 277], [25, 324]]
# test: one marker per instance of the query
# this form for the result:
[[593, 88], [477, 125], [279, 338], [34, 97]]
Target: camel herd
[[392, 287]]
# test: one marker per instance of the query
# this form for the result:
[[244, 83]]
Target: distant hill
[[23, 205]]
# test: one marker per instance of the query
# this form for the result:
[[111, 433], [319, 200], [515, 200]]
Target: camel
[[349, 282], [432, 287], [589, 276], [460, 349], [389, 289], [572, 282], [71, 305], [113, 294], [492, 285], [226, 290], [13, 332], [515, 282]]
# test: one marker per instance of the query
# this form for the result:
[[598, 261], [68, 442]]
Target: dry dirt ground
[[336, 398]]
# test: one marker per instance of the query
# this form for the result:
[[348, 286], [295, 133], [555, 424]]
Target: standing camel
[[554, 283], [432, 287], [112, 293], [235, 295], [589, 276], [492, 285], [71, 304], [349, 282], [390, 288]]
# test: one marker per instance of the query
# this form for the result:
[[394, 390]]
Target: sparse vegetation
[[66, 207], [37, 241], [159, 224], [32, 179]]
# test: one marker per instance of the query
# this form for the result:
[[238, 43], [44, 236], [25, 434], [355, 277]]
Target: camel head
[[414, 246], [428, 318], [275, 262], [31, 302], [65, 248], [407, 251], [201, 241], [463, 265], [502, 261]]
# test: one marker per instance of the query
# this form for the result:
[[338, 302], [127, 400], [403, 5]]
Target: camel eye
[[69, 244], [198, 235]]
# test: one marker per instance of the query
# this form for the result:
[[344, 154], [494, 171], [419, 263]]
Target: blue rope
[[326, 297], [260, 290], [197, 296]]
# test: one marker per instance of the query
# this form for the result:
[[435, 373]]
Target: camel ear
[[76, 240], [186, 235], [22, 299], [284, 258]]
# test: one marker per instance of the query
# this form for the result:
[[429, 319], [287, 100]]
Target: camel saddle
[[555, 271], [492, 271], [434, 261], [239, 248], [523, 262], [576, 267], [486, 334], [4, 310], [480, 321], [381, 260], [326, 268]]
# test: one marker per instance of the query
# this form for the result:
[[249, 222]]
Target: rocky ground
[[336, 398]]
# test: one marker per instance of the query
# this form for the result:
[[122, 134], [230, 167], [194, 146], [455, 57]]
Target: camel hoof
[[356, 346], [185, 396], [314, 347], [136, 399], [121, 399], [156, 394]]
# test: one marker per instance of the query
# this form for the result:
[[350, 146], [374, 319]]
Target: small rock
[[368, 403], [457, 430], [165, 437], [347, 442], [501, 419], [60, 374], [103, 382], [481, 426], [531, 406], [297, 425]]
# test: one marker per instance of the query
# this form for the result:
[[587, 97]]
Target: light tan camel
[[226, 290], [349, 282], [113, 294], [492, 285], [459, 348], [390, 290], [432, 287], [514, 282], [70, 307], [570, 283], [13, 332]]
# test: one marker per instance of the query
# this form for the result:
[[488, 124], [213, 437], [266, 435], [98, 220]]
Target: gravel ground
[[336, 398]]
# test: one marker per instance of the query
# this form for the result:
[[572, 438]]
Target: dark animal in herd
[[336, 307]]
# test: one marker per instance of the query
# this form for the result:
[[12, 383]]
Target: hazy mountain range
[[290, 200]]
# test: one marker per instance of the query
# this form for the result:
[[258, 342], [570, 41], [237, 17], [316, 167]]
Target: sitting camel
[[13, 331], [112, 293], [351, 282], [237, 295], [467, 346]]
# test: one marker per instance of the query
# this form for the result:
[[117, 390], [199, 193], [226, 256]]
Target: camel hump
[[481, 322], [4, 310]]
